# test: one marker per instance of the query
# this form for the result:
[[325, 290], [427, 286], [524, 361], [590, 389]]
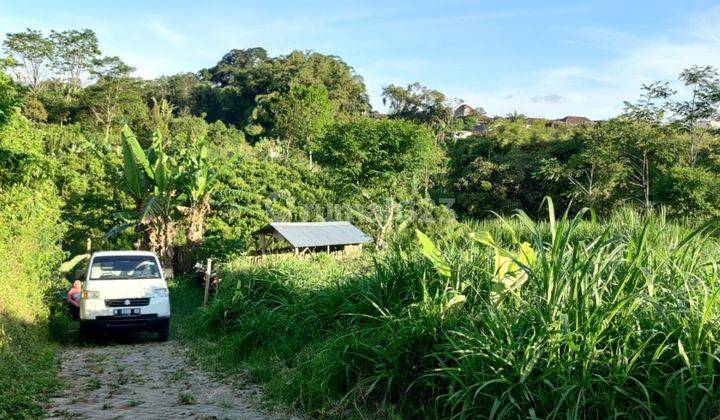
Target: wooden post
[[88, 245], [208, 272]]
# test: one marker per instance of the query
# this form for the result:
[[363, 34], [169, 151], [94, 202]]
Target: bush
[[692, 191]]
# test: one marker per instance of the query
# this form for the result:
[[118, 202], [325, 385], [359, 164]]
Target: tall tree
[[179, 89], [230, 69], [641, 135], [115, 95], [75, 53], [246, 76], [652, 105], [422, 105], [33, 52], [702, 106]]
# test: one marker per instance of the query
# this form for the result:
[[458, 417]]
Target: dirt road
[[147, 381]]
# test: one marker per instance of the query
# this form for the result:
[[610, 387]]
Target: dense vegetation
[[189, 165], [30, 233], [508, 318]]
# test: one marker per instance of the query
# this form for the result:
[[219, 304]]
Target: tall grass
[[564, 318]]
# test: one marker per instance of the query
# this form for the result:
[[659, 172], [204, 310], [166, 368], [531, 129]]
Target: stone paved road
[[147, 381]]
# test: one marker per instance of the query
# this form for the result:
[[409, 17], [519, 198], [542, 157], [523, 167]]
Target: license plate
[[129, 311]]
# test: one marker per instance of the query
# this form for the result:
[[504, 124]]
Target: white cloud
[[166, 34]]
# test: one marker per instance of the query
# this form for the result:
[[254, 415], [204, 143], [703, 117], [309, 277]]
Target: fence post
[[208, 273]]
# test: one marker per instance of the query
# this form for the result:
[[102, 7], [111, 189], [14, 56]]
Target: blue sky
[[545, 59]]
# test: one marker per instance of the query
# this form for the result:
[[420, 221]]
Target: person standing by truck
[[73, 297]]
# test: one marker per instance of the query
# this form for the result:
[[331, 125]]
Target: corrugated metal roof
[[309, 234]]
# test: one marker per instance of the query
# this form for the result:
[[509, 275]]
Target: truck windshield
[[119, 267]]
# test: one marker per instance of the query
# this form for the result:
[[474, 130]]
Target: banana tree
[[151, 179], [137, 175], [160, 210], [199, 182]]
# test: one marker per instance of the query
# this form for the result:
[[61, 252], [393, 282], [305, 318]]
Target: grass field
[[505, 318]]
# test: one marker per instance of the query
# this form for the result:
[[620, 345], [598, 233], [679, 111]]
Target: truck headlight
[[160, 292], [90, 294]]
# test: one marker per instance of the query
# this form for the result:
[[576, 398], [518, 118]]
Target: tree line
[[196, 161]]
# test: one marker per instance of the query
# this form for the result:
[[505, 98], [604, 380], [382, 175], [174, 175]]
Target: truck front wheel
[[164, 334], [86, 333]]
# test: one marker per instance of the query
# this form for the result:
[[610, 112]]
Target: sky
[[543, 59]]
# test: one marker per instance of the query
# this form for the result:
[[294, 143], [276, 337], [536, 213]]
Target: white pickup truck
[[125, 291]]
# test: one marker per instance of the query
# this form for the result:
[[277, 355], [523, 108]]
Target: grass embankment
[[29, 251], [562, 319]]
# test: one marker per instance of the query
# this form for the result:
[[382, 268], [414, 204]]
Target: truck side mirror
[[79, 274]]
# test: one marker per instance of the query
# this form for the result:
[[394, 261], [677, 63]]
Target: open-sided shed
[[314, 236]]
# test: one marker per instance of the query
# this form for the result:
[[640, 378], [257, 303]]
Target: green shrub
[[692, 191]]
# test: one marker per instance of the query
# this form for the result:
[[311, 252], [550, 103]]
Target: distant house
[[309, 237], [572, 120], [463, 111]]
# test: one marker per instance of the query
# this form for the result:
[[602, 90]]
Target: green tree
[[230, 70], [515, 116], [301, 117], [180, 90], [512, 166], [243, 77], [87, 182], [75, 52], [8, 97], [59, 100], [652, 105], [420, 104], [701, 108], [377, 163], [34, 54], [642, 135], [115, 98]]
